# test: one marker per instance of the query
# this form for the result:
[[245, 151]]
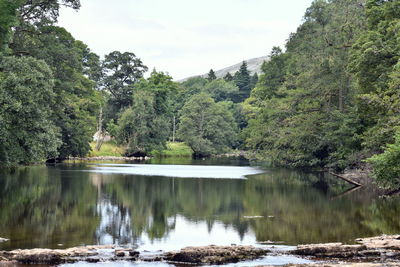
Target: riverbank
[[374, 251]]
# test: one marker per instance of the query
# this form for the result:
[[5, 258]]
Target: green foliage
[[76, 105], [8, 18], [375, 64], [228, 77], [211, 75], [220, 90], [207, 127], [140, 130], [242, 80], [300, 112], [27, 132], [72, 75], [121, 72], [386, 166], [274, 74]]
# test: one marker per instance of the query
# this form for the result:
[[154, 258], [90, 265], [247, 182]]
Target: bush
[[386, 166]]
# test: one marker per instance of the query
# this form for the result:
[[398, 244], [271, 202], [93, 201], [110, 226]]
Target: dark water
[[74, 204]]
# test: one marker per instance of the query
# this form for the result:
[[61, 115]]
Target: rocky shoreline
[[374, 251]]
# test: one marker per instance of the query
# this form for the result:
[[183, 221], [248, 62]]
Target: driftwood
[[346, 179]]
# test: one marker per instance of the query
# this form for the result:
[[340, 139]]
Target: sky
[[185, 37]]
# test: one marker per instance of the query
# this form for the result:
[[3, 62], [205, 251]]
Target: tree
[[301, 112], [386, 166], [274, 74], [243, 82], [33, 15], [211, 75], [220, 90], [139, 127], [121, 72], [207, 127], [8, 18], [77, 102], [27, 132], [228, 77], [375, 64], [254, 80]]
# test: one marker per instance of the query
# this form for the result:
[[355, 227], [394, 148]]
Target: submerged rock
[[215, 254]]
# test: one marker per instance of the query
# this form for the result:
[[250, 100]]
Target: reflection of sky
[[181, 171], [189, 233], [115, 224], [115, 228]]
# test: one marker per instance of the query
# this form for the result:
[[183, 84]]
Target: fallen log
[[346, 179]]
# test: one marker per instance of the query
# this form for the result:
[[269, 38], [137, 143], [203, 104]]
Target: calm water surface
[[189, 203]]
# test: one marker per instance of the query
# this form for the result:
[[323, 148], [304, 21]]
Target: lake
[[169, 204]]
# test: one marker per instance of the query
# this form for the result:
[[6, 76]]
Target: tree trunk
[[100, 137]]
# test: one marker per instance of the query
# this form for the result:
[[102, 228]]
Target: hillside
[[253, 65]]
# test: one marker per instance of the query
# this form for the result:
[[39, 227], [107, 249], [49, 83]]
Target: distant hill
[[253, 65]]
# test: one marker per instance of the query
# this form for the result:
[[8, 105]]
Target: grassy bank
[[107, 149], [176, 149]]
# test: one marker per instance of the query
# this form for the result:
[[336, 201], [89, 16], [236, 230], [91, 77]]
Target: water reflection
[[63, 207]]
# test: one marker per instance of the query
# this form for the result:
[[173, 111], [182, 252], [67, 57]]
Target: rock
[[215, 254], [3, 240], [341, 264], [134, 253], [58, 256], [381, 242], [368, 249], [120, 253]]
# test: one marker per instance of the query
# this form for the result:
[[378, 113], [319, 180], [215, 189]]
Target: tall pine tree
[[211, 75], [243, 81]]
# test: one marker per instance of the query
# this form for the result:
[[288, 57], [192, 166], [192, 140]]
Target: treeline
[[332, 98], [205, 113]]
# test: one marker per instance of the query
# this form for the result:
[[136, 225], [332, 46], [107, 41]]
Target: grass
[[110, 148], [107, 149], [177, 149]]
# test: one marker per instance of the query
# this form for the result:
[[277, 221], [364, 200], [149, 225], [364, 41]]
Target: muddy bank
[[215, 254]]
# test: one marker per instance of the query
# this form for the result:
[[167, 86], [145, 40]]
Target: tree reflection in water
[[63, 207]]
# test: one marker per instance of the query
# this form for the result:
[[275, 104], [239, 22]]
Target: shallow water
[[190, 203]]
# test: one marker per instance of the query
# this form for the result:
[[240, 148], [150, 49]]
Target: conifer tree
[[228, 77], [211, 75], [243, 81]]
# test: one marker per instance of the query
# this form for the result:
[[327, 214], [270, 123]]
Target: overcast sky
[[185, 37]]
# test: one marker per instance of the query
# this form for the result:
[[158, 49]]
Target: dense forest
[[329, 99]]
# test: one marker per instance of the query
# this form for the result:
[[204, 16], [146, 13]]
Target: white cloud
[[185, 37]]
